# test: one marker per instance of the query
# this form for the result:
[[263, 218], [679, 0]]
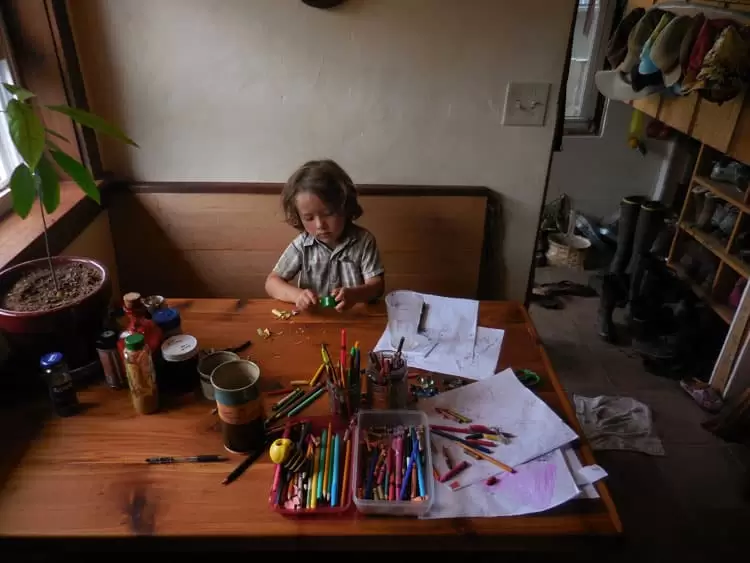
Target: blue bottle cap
[[166, 317], [51, 359]]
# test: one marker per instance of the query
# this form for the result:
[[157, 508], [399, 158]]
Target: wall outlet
[[526, 103]]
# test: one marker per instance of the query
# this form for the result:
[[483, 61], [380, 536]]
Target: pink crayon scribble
[[532, 486]]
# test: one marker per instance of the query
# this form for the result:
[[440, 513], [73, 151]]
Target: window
[[583, 103], [9, 157]]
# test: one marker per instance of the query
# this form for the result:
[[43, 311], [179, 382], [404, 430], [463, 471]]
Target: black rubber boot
[[607, 303], [629, 208], [650, 223]]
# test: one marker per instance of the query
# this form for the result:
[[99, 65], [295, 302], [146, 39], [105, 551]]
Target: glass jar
[[141, 375], [180, 368], [60, 385], [138, 322], [114, 370]]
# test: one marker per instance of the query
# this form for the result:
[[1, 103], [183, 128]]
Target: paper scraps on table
[[537, 485], [501, 401]]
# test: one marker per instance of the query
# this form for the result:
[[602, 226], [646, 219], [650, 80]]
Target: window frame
[[6, 53], [594, 104]]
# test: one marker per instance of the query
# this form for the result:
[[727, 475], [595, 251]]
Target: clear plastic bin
[[369, 419]]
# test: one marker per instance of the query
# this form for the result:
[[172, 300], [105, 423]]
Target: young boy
[[332, 255]]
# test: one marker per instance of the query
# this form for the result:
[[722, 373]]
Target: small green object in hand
[[327, 302]]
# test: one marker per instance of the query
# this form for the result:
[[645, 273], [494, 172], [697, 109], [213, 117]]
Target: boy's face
[[318, 220]]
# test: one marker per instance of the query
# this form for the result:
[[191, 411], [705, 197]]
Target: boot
[[650, 224], [629, 208], [607, 303]]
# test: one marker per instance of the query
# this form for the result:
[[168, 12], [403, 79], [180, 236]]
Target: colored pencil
[[326, 492], [314, 490], [485, 457], [336, 475], [407, 478], [314, 380], [307, 401], [347, 455], [322, 464], [460, 441]]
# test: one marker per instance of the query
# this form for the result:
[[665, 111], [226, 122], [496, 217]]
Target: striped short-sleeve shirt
[[322, 269]]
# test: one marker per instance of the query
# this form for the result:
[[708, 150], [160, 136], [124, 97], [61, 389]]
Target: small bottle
[[112, 364], [61, 391], [138, 322], [141, 376]]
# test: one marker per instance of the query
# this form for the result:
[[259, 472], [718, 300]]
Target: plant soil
[[35, 290]]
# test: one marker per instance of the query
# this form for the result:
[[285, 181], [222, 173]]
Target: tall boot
[[629, 208], [650, 224], [607, 303]]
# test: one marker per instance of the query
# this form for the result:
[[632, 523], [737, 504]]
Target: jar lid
[[166, 318], [51, 359], [107, 339], [180, 347], [135, 341], [131, 299]]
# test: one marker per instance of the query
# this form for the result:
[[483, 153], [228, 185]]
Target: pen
[[186, 459]]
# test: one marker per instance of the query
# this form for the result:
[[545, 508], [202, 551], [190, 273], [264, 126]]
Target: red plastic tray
[[317, 425]]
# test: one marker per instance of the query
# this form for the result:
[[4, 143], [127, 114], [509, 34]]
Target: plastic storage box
[[367, 419]]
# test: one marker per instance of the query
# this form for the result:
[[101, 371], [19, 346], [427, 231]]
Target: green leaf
[[49, 184], [78, 172], [94, 121], [20, 93], [55, 134], [23, 191], [27, 132]]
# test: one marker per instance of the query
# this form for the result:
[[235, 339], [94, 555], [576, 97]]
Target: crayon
[[455, 471]]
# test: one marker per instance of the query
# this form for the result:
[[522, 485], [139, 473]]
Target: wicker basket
[[568, 251]]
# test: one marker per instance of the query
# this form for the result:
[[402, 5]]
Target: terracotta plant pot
[[71, 329]]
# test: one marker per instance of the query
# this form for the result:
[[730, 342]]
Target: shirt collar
[[350, 237]]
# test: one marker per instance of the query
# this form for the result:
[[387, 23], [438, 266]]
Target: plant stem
[[46, 243]]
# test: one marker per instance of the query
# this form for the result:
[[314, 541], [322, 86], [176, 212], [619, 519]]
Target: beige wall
[[397, 91], [95, 241]]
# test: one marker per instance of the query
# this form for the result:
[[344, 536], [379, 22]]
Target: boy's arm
[[277, 284], [373, 273]]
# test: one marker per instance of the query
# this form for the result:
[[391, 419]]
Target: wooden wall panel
[[224, 244]]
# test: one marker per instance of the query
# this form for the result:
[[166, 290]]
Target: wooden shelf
[[727, 192], [717, 248], [721, 309]]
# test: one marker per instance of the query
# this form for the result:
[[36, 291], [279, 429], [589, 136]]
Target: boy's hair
[[329, 182]]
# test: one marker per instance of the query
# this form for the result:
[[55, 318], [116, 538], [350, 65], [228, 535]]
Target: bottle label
[[241, 414], [141, 384]]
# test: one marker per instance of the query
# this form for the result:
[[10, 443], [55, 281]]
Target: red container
[[317, 425]]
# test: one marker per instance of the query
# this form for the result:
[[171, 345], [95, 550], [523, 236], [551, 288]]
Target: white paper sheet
[[482, 365], [504, 402], [536, 486]]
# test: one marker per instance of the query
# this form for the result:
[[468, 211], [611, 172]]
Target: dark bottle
[[60, 384]]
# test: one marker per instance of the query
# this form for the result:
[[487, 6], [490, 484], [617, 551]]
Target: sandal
[[702, 393]]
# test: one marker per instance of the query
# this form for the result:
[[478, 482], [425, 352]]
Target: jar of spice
[[168, 320], [61, 391], [141, 375], [180, 368]]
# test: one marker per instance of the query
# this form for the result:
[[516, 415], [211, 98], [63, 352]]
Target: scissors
[[527, 377]]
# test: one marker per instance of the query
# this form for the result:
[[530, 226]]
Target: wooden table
[[84, 476]]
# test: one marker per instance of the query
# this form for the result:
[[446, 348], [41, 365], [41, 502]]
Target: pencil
[[327, 466], [313, 493], [346, 470], [307, 401], [314, 380], [485, 457], [335, 470], [321, 464]]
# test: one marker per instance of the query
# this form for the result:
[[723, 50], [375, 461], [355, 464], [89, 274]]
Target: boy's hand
[[306, 299], [344, 297]]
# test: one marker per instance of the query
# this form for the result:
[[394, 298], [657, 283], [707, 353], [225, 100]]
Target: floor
[[689, 504]]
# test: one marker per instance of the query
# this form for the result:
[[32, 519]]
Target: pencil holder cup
[[387, 389], [342, 401]]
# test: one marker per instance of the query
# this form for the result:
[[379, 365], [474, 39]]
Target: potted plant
[[53, 303]]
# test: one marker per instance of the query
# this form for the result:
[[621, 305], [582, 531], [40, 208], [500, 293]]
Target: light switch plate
[[526, 103]]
